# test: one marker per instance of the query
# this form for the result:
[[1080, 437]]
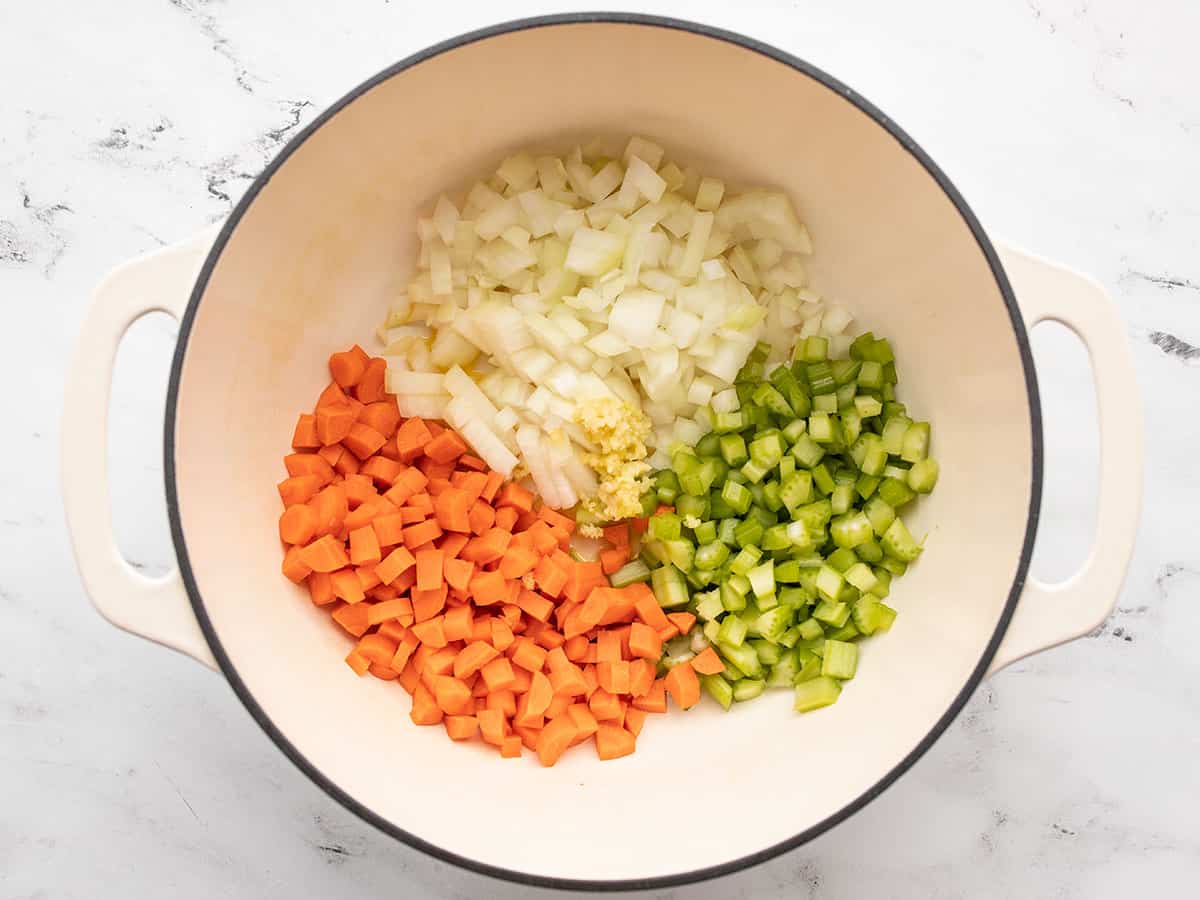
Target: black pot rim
[[315, 774]]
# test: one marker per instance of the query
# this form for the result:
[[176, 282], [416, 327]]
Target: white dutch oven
[[307, 263]]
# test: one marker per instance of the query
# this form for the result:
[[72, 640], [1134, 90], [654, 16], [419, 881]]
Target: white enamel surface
[[310, 269]]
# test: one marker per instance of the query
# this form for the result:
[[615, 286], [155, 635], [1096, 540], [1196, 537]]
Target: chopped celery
[[893, 433], [883, 582], [733, 631], [746, 560], [666, 483], [710, 630], [729, 422], [762, 579], [737, 496], [842, 559], [834, 614], [825, 404], [783, 672], [766, 395], [705, 532], [742, 656], [733, 449], [748, 533], [829, 582], [631, 573], [923, 475], [711, 555], [810, 629], [893, 565], [898, 541], [866, 613], [841, 498], [665, 527], [709, 445], [795, 597], [768, 653], [887, 616], [914, 446], [708, 605], [719, 689], [690, 506], [669, 587], [846, 633], [880, 513], [731, 599], [747, 689], [777, 537], [806, 451], [840, 660], [818, 692], [772, 623], [680, 553], [850, 530], [808, 666], [861, 576], [869, 551]]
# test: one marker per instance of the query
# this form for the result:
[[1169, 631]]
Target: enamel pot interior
[[309, 263]]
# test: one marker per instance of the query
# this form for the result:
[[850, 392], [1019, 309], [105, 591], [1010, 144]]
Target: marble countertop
[[1072, 127]]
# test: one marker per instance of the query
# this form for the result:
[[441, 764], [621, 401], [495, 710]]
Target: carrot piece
[[395, 564], [669, 632], [644, 641], [294, 568], [706, 662], [492, 726], [534, 605], [457, 623], [452, 694], [367, 577], [488, 588], [364, 547], [655, 700], [325, 554], [359, 663], [377, 648], [550, 639], [332, 453], [558, 706], [384, 673], [433, 469], [347, 586], [554, 518], [346, 464], [471, 482], [427, 604], [468, 461], [458, 573], [410, 515], [309, 464], [431, 632], [381, 470], [611, 560], [353, 618], [298, 489], [614, 676], [634, 720], [682, 620], [481, 517], [446, 447], [618, 534], [499, 675], [422, 501], [683, 685], [332, 396], [409, 482], [506, 518], [517, 560], [555, 738], [550, 577], [647, 607], [641, 677], [504, 701], [425, 710], [388, 611], [333, 423], [461, 728], [473, 657], [452, 509], [304, 437], [541, 692], [362, 440], [370, 386], [297, 524], [346, 368], [528, 655], [331, 508], [411, 438], [382, 415], [604, 705], [452, 543], [516, 496], [422, 532], [568, 680], [359, 490], [585, 723], [511, 747], [502, 634], [320, 588], [429, 570], [576, 648], [491, 485], [613, 742], [608, 647]]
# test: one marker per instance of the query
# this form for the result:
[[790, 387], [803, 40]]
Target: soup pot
[[308, 262]]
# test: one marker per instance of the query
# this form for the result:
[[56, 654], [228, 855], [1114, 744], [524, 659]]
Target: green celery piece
[[719, 689], [923, 475], [711, 555], [701, 578], [893, 565], [665, 527], [845, 371], [861, 576], [835, 614], [829, 582], [746, 560], [776, 538], [880, 513], [870, 375], [810, 629], [709, 445], [841, 498], [733, 449], [653, 552], [795, 597], [892, 408], [680, 553], [705, 532], [764, 517], [783, 672], [762, 579], [765, 395], [729, 422], [890, 379], [816, 693], [883, 582], [887, 616], [824, 403], [718, 508], [790, 638], [841, 559], [806, 451], [814, 348], [896, 470], [733, 631], [846, 633], [851, 530], [840, 660], [866, 614], [708, 605], [914, 446], [737, 496], [808, 666], [820, 428], [772, 623], [768, 653], [869, 551], [688, 505], [898, 541], [748, 533], [823, 479], [860, 347], [893, 433], [669, 586], [772, 495], [787, 572], [793, 430], [851, 424], [650, 503], [726, 528], [867, 407], [731, 600], [710, 630], [632, 572], [820, 379], [895, 492], [666, 483], [742, 656], [797, 489], [866, 485], [747, 689]]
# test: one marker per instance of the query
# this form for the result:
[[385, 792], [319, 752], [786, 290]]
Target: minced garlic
[[619, 432]]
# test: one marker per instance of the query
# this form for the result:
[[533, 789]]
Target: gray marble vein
[[1072, 127]]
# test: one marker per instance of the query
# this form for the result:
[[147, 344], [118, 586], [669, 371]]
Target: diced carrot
[[492, 725], [555, 738], [504, 701], [608, 646], [612, 560], [429, 570], [644, 641], [613, 742], [552, 517], [410, 515], [618, 534], [331, 508], [346, 465], [511, 747], [446, 447], [333, 423], [357, 662], [369, 388], [382, 415], [576, 648], [325, 554], [534, 605], [452, 694], [584, 576], [297, 524], [394, 564], [473, 657], [431, 632], [550, 577], [706, 662], [382, 471], [320, 588], [683, 685], [363, 440], [353, 618], [491, 486], [347, 586], [668, 633], [427, 604], [346, 368], [384, 673], [331, 454], [603, 705], [309, 464], [481, 517], [488, 588], [298, 489], [541, 692], [439, 662], [549, 638], [409, 482], [647, 607], [304, 437], [516, 496], [389, 610], [655, 700], [294, 567], [422, 501], [468, 461], [359, 490], [473, 483], [585, 723], [458, 573], [613, 676], [364, 547], [528, 655], [425, 709], [457, 623], [499, 674], [506, 518], [332, 396], [422, 532], [461, 728], [452, 507], [377, 648], [568, 680], [682, 620], [641, 677], [411, 438]]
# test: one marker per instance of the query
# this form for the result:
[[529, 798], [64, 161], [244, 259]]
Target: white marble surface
[[1072, 127]]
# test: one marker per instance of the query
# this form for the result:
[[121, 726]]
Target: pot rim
[[315, 774]]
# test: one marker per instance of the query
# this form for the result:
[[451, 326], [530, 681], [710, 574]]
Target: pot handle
[[1051, 614], [155, 608]]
